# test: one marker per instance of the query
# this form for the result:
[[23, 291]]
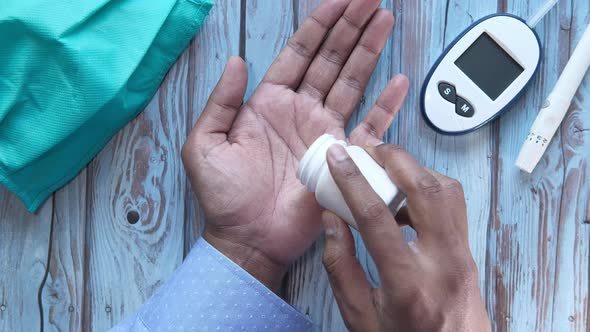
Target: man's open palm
[[242, 157]]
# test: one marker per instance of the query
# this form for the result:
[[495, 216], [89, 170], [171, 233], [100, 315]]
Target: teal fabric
[[72, 73]]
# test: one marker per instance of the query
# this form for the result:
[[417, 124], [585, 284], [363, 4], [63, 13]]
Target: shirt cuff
[[209, 292]]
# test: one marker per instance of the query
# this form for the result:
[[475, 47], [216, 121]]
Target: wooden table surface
[[103, 244]]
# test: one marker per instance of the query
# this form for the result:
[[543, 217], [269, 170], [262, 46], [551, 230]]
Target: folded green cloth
[[72, 73]]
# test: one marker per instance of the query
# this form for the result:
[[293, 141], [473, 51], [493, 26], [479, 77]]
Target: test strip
[[541, 12]]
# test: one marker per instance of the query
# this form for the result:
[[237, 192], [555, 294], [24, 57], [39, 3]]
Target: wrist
[[249, 258]]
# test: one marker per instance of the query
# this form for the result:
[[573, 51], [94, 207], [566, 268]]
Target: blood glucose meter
[[480, 74]]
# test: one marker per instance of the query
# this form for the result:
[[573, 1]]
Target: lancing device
[[556, 106]]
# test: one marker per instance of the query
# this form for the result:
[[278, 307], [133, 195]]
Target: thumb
[[225, 101], [350, 286]]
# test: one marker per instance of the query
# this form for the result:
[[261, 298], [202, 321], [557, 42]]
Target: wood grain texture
[[139, 178], [421, 43], [469, 158], [82, 262], [63, 292], [218, 39], [24, 246], [523, 230], [268, 27], [571, 307]]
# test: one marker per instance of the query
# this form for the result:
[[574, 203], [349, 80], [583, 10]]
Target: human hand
[[242, 159], [430, 284]]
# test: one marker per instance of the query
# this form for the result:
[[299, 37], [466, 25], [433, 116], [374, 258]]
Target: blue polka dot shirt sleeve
[[209, 292]]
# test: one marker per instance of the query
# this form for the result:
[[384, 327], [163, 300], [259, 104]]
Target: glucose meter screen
[[489, 66]]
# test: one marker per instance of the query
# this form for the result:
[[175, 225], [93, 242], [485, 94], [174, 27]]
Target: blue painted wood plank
[[469, 158], [269, 25], [63, 292], [523, 232], [136, 207], [24, 246], [571, 302], [218, 40], [421, 44]]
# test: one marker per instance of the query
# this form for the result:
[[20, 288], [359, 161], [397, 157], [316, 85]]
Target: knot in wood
[[132, 217]]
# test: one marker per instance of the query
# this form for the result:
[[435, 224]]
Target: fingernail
[[375, 143], [337, 152], [330, 224]]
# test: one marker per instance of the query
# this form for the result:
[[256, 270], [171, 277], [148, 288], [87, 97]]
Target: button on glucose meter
[[464, 108], [480, 74], [448, 92]]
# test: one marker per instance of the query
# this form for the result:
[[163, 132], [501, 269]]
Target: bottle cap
[[314, 160]]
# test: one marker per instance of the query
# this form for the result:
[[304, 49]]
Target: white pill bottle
[[313, 172]]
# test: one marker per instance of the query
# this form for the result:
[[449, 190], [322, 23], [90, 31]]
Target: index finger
[[378, 228], [423, 190]]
